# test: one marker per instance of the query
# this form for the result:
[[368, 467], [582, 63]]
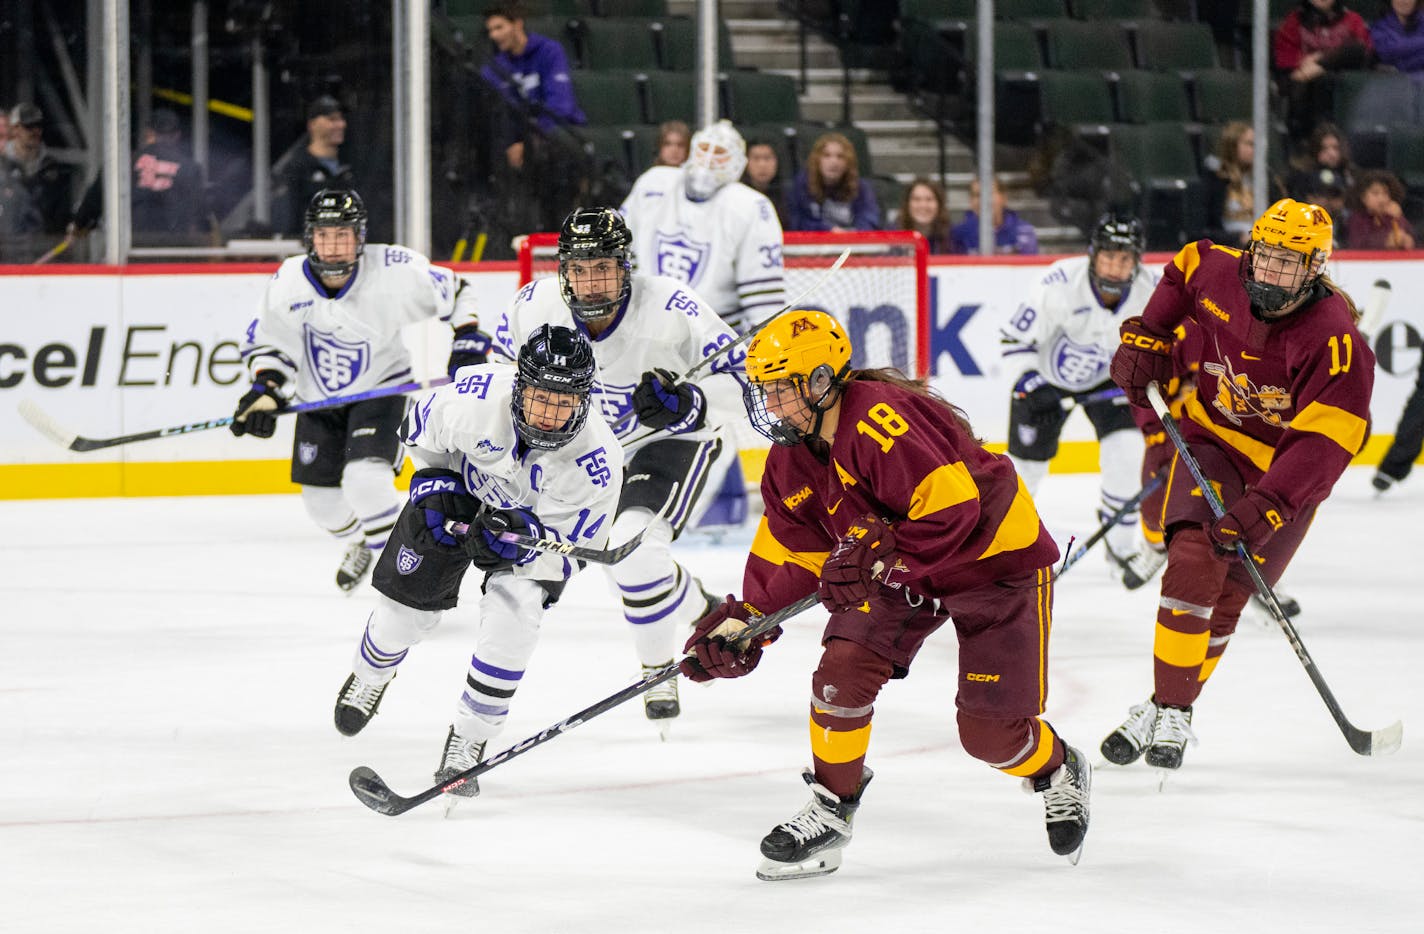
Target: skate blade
[[664, 730], [1162, 776], [821, 864], [1077, 854]]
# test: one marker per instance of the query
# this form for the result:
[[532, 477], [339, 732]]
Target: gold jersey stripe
[[1188, 258], [1258, 452], [1019, 528], [1344, 428], [946, 486], [766, 547], [1180, 649], [1041, 753], [836, 746]]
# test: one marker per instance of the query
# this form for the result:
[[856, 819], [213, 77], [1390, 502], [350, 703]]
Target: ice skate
[[810, 843], [1382, 481], [1065, 803], [1137, 567], [660, 701], [458, 756], [357, 703], [355, 564], [1289, 605], [1170, 735], [1125, 744]]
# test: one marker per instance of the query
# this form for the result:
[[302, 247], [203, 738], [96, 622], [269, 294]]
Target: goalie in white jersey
[[644, 330], [699, 224], [501, 449], [1062, 338], [329, 326]]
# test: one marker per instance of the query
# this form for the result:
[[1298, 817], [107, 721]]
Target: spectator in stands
[[315, 167], [1377, 221], [828, 194], [1012, 234], [763, 174], [4, 128], [1317, 39], [531, 74], [674, 138], [923, 209], [1229, 183], [1325, 175], [170, 204], [28, 164], [1398, 37]]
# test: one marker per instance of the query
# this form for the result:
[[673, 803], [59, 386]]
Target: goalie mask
[[1115, 234], [796, 367], [551, 390], [718, 157], [339, 208], [595, 259], [1290, 245]]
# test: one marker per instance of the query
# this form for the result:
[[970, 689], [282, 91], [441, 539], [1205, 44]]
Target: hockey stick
[[51, 429], [1111, 521], [595, 555], [371, 790], [1364, 742], [725, 349], [1071, 402]]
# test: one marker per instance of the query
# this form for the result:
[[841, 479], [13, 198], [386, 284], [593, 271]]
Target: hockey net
[[880, 293]]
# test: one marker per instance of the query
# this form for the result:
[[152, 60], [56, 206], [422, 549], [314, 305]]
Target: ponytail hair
[[919, 387]]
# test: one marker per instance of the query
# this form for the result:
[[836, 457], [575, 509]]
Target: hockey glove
[[488, 551], [256, 412], [1145, 356], [660, 401], [715, 651], [440, 497], [470, 346], [1039, 401], [848, 576], [1251, 521]]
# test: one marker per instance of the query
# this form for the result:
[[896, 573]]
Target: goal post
[[881, 293]]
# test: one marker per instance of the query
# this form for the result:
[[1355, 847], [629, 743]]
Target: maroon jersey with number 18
[[962, 517], [1287, 401]]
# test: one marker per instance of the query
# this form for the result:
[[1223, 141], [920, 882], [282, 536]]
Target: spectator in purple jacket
[[1399, 37], [1012, 234], [531, 72], [828, 193]]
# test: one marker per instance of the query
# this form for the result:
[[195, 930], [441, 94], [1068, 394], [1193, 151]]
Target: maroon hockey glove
[[848, 576], [1251, 521], [715, 651], [1145, 356]]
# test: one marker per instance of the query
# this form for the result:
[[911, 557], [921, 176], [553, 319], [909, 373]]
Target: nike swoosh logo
[[1246, 356], [831, 510], [1180, 612]]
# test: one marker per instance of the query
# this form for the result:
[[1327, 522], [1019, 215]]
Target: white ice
[[168, 761]]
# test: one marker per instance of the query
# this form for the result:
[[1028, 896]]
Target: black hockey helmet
[[555, 359], [334, 207], [596, 233], [1115, 233]]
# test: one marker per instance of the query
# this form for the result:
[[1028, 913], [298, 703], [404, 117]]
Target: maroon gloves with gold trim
[[1145, 356], [715, 651], [1251, 521], [848, 576]]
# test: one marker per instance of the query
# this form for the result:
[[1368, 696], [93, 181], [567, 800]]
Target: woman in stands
[[923, 210], [828, 193]]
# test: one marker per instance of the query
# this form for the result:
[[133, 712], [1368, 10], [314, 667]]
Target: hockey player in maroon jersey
[[879, 497], [1281, 405]]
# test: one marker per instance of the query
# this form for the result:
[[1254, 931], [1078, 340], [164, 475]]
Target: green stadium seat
[[1073, 44], [1150, 96], [610, 98]]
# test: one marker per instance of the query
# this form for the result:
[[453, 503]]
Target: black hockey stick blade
[[371, 790], [1365, 742]]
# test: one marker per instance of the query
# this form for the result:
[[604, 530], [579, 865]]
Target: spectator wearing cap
[[313, 168], [170, 204], [28, 164]]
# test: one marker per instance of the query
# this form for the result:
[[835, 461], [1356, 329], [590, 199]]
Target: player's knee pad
[[1031, 472], [393, 626], [1194, 573], [510, 613], [327, 507], [849, 678], [369, 486]]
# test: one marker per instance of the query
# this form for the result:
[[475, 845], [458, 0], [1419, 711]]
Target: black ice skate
[[1289, 605], [1137, 567], [1065, 803], [660, 701], [355, 564], [1382, 481], [459, 755], [1170, 735], [357, 703], [810, 843], [1125, 744]]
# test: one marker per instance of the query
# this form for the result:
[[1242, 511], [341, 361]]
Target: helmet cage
[[557, 360], [334, 207], [814, 394], [1295, 273]]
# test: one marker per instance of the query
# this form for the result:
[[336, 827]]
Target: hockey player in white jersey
[[329, 325], [500, 449], [1062, 338], [699, 224], [644, 330]]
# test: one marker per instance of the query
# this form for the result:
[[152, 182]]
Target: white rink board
[[51, 321]]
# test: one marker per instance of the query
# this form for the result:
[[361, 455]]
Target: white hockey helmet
[[718, 157]]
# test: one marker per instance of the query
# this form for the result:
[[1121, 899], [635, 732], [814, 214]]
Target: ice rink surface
[[168, 761]]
